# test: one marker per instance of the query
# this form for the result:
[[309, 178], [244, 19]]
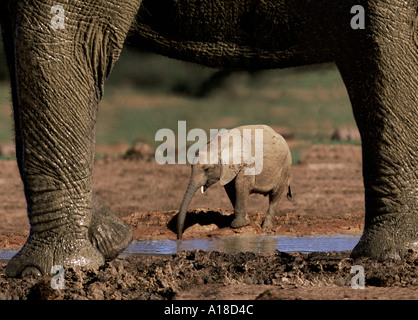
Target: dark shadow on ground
[[203, 218]]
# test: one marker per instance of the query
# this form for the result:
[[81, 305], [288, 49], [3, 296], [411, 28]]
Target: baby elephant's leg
[[273, 210], [242, 193], [231, 192]]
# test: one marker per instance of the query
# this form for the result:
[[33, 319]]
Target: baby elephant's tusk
[[202, 189]]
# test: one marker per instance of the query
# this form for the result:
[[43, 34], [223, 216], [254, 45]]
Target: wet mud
[[215, 275], [328, 198]]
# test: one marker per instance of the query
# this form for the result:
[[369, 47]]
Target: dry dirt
[[327, 199]]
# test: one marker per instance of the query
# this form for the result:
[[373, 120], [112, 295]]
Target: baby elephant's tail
[[289, 193]]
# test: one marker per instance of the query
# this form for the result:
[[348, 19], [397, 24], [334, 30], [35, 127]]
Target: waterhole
[[257, 244]]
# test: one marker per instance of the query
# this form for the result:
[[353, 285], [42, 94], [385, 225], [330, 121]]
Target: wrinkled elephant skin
[[57, 76]]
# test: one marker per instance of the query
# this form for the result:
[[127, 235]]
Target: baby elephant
[[247, 159]]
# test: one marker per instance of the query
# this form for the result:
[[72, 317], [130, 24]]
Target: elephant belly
[[258, 191], [268, 181]]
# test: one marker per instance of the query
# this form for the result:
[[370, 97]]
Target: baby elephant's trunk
[[181, 217]]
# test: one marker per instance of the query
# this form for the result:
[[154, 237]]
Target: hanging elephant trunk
[[188, 196]]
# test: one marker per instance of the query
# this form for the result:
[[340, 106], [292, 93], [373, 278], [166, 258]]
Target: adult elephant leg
[[383, 88], [107, 232], [58, 82]]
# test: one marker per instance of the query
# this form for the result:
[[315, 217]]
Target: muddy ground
[[327, 199]]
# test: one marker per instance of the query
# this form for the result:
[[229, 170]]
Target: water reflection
[[257, 244], [7, 254], [230, 244]]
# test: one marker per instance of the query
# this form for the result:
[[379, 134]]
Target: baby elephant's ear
[[229, 172], [229, 169]]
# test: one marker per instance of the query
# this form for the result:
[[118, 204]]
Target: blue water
[[257, 244], [7, 254]]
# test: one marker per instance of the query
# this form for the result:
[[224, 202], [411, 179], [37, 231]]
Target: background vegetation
[[146, 92]]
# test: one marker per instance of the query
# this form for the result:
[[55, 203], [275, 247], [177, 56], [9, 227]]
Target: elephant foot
[[378, 242], [106, 237], [44, 250], [239, 222], [267, 224], [109, 234]]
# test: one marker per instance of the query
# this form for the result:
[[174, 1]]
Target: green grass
[[146, 93], [7, 157], [312, 102], [6, 132]]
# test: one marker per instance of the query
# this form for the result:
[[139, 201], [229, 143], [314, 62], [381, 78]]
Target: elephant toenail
[[31, 271]]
